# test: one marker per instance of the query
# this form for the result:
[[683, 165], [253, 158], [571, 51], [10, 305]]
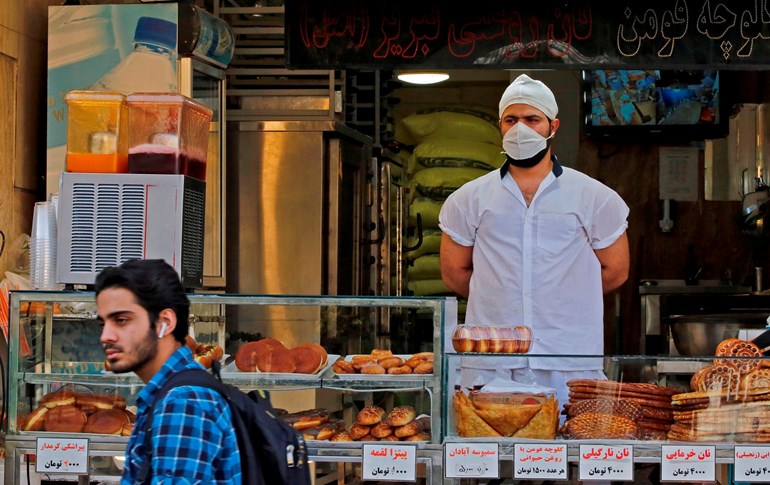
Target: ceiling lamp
[[422, 77]]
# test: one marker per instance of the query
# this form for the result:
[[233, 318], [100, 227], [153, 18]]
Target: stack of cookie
[[653, 420], [400, 424]]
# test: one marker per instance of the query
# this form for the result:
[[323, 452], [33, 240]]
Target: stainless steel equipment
[[105, 219], [656, 306], [301, 222]]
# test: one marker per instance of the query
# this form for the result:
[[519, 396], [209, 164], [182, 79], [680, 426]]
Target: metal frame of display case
[[19, 443]]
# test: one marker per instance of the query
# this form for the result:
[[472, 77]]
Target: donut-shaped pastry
[[392, 361], [401, 369], [381, 353], [276, 360], [372, 368], [306, 360], [341, 366], [246, 356]]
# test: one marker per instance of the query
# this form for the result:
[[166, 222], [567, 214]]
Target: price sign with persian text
[[471, 460], [540, 460], [389, 463], [685, 463], [752, 464], [62, 455], [599, 462]]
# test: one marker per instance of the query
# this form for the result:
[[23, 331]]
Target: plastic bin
[[96, 127], [168, 133]]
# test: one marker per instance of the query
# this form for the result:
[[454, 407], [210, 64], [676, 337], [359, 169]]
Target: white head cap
[[525, 90]]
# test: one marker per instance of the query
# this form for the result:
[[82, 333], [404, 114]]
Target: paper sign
[[599, 462], [678, 177], [684, 463], [62, 455], [389, 463], [540, 460], [752, 464], [471, 460]]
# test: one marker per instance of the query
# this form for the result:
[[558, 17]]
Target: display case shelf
[[64, 324]]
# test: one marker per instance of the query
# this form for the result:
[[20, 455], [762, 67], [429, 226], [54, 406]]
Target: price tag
[[62, 455], [752, 464], [599, 462], [540, 460], [471, 460], [389, 463], [685, 463]]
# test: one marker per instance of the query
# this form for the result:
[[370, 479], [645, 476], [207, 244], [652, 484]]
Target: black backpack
[[272, 451]]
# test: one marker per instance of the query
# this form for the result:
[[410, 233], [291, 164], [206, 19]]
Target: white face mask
[[521, 142]]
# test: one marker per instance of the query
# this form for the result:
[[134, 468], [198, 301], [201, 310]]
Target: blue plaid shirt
[[193, 437]]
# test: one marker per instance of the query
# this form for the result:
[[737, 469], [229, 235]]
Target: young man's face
[[128, 338]]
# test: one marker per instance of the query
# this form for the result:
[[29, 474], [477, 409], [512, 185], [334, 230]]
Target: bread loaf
[[370, 415], [401, 415]]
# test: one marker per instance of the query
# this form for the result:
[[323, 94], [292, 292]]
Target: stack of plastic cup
[[42, 247]]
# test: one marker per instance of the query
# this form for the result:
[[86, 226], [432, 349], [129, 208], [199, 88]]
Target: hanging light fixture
[[422, 77]]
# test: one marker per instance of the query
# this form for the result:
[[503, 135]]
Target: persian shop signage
[[493, 33]]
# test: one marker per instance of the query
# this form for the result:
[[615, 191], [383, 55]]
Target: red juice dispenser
[[168, 133]]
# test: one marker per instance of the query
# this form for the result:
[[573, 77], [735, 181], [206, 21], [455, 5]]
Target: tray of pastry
[[383, 364], [270, 358]]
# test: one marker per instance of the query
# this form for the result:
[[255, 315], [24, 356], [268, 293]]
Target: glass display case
[[54, 346], [648, 402]]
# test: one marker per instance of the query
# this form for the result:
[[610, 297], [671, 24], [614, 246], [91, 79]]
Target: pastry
[[381, 353], [392, 361], [35, 421], [401, 415], [372, 368], [424, 367], [381, 430], [306, 360], [62, 397], [276, 360], [110, 421], [65, 418], [401, 369], [341, 436], [421, 436], [409, 429], [342, 366], [318, 348], [370, 415], [601, 426], [246, 356], [358, 431]]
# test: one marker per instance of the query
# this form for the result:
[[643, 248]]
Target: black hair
[[155, 285]]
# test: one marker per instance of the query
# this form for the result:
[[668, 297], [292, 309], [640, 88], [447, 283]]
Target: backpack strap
[[185, 377]]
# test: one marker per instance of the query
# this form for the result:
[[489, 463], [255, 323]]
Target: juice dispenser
[[167, 134], [96, 127]]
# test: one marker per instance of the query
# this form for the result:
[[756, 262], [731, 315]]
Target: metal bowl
[[699, 335]]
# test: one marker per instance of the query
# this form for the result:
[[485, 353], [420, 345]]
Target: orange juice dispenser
[[96, 127], [168, 133]]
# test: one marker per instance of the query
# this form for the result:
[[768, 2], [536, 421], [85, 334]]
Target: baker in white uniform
[[537, 244]]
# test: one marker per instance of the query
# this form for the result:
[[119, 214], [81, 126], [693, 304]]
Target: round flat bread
[[276, 360], [307, 360]]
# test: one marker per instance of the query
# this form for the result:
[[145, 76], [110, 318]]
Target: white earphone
[[163, 328]]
